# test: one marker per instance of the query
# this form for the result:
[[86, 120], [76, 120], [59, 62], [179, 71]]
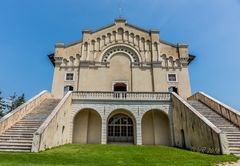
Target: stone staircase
[[19, 137], [232, 131]]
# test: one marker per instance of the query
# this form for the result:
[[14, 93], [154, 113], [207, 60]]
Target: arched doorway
[[121, 127], [87, 127], [155, 128]]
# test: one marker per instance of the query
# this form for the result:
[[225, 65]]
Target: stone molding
[[120, 48]]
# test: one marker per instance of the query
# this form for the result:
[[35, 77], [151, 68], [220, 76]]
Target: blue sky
[[29, 29]]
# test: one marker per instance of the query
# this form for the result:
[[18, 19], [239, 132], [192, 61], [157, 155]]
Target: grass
[[112, 155]]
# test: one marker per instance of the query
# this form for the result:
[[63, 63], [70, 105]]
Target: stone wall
[[193, 131], [55, 129], [219, 107], [14, 116]]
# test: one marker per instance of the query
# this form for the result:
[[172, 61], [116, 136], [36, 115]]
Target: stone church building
[[122, 84]]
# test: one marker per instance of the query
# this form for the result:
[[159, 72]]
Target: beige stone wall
[[56, 128], [194, 130], [87, 127], [155, 128], [121, 52]]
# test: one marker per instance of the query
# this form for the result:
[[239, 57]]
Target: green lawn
[[112, 155]]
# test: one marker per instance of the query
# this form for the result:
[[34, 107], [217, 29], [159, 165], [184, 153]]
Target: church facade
[[122, 60], [122, 84]]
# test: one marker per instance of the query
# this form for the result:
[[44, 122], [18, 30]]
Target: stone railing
[[222, 109], [14, 116], [141, 96], [55, 129], [192, 130]]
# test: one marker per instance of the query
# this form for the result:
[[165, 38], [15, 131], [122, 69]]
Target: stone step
[[229, 130], [233, 140], [237, 153], [17, 141], [22, 130], [30, 122], [26, 126], [23, 127], [15, 147], [17, 135], [234, 148], [226, 126], [234, 144], [232, 134], [15, 150], [16, 144]]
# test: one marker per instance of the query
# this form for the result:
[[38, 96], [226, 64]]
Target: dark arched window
[[67, 88], [120, 87], [173, 89]]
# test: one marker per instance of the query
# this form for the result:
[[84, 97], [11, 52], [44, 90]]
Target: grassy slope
[[112, 155]]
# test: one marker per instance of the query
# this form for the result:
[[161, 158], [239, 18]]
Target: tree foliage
[[15, 101], [10, 103], [2, 105]]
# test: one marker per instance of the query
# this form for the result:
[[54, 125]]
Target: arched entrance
[[155, 128], [87, 127], [121, 128]]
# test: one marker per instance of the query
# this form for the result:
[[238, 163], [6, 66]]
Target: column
[[139, 130], [104, 130]]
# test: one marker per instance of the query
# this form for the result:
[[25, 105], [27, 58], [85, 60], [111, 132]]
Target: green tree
[[15, 101], [2, 105]]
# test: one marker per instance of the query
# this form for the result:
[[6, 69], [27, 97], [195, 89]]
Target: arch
[[155, 46], [67, 88], [171, 61], [121, 127], [87, 126], [120, 33], [120, 48], [93, 45], [173, 89], [155, 128], [65, 61], [85, 46], [114, 36], [120, 87], [126, 36], [137, 40], [104, 39]]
